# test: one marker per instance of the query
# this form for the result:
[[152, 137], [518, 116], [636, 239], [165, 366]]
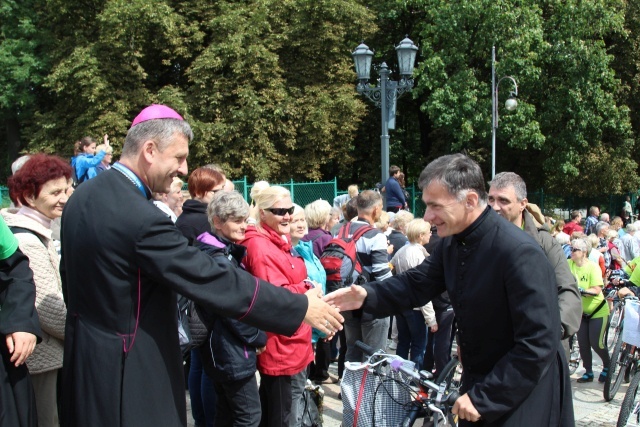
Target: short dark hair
[[457, 173], [351, 209], [34, 174], [393, 170]]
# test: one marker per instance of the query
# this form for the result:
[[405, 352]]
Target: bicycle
[[615, 319], [451, 374], [623, 361], [614, 327], [630, 407], [421, 398], [574, 354]]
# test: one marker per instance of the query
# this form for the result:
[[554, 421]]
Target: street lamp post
[[388, 91], [511, 104]]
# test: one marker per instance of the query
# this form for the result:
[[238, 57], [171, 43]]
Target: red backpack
[[340, 260]]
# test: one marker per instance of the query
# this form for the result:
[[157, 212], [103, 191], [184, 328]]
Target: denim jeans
[[202, 392], [412, 334], [372, 332]]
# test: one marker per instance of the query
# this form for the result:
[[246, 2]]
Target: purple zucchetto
[[156, 111]]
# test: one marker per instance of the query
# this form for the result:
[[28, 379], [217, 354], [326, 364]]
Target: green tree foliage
[[269, 87], [272, 90], [23, 68], [569, 118], [265, 99]]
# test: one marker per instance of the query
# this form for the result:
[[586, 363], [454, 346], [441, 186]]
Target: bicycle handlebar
[[365, 348], [398, 365]]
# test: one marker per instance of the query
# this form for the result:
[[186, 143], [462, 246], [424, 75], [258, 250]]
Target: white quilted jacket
[[45, 263]]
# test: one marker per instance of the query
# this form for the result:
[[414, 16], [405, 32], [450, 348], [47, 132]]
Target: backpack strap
[[17, 230], [360, 231], [356, 236]]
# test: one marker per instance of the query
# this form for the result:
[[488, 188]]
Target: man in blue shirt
[[393, 190]]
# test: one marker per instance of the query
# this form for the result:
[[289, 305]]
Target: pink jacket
[[269, 258]]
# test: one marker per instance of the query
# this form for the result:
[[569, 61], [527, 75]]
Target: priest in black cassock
[[19, 331], [122, 262], [504, 295]]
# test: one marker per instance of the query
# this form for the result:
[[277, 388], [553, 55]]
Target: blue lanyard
[[132, 177]]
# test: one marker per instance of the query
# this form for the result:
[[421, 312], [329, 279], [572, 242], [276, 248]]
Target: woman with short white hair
[[317, 215]]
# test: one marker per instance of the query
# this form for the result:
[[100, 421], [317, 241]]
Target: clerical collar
[[133, 178]]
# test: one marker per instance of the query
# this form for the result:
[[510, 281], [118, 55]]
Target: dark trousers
[[238, 403], [591, 336], [201, 391], [393, 209], [342, 352], [439, 344], [275, 400], [320, 367], [412, 335]]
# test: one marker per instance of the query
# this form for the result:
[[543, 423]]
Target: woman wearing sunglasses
[[595, 310], [270, 256]]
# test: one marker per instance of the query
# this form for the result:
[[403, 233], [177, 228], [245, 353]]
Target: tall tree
[[568, 115], [271, 90], [24, 63]]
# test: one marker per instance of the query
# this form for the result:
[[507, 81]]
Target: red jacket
[[269, 258], [571, 227]]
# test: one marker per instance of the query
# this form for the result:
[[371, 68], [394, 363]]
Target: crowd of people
[[102, 300]]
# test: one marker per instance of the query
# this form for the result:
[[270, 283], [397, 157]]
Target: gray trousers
[[44, 388], [371, 332]]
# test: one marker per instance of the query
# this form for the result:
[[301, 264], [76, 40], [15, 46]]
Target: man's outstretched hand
[[320, 315], [346, 299]]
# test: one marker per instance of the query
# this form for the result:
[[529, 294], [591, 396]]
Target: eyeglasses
[[281, 211], [575, 249]]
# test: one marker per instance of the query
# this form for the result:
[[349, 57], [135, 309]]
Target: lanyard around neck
[[132, 177]]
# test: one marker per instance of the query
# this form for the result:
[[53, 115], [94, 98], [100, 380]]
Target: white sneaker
[[393, 345]]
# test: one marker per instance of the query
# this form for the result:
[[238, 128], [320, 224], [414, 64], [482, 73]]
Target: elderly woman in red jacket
[[270, 256]]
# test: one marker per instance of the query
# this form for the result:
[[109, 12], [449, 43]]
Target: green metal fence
[[5, 201], [304, 193], [562, 205]]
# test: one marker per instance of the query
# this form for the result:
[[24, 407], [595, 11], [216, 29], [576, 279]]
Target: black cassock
[[17, 314], [504, 294], [122, 260]]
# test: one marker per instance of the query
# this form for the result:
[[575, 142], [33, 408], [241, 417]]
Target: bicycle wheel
[[451, 374], [632, 367], [620, 358], [629, 403], [615, 318], [574, 354]]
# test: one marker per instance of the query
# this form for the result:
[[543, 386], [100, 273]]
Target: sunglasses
[[281, 211], [575, 249]]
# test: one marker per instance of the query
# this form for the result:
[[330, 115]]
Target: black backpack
[[340, 259]]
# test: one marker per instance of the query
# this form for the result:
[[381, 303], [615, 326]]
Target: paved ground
[[590, 408]]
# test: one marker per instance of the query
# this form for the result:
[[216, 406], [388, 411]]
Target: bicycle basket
[[631, 330], [374, 397]]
